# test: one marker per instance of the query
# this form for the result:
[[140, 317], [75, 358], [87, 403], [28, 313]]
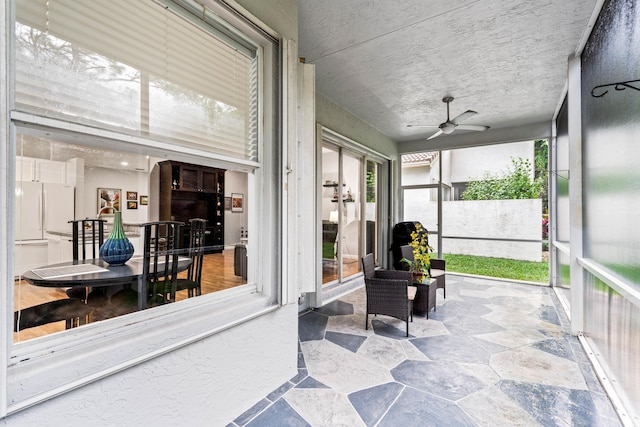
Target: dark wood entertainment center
[[189, 191]]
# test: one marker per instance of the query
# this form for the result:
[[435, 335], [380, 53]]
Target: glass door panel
[[351, 212], [371, 210], [330, 197]]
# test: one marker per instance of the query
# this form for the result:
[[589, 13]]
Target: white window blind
[[138, 68]]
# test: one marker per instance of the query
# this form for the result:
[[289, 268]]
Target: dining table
[[95, 273]]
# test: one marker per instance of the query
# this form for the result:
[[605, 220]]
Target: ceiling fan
[[452, 124]]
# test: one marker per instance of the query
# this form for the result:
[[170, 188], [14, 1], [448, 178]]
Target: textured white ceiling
[[391, 62]]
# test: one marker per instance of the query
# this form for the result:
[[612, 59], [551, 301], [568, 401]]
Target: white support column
[[289, 224], [440, 224], [575, 194], [306, 182], [552, 180], [7, 175]]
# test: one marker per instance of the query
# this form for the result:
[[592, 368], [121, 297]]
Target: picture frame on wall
[[132, 195], [237, 202], [109, 201], [131, 204], [144, 200], [227, 203]]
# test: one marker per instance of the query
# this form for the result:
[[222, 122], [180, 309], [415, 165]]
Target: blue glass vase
[[117, 249]]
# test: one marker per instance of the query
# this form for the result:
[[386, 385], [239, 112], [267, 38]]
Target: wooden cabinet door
[[209, 181], [189, 179]]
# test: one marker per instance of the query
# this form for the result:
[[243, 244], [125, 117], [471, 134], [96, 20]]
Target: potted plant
[[419, 266]]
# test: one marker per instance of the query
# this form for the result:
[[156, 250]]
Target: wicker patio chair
[[388, 292], [437, 271]]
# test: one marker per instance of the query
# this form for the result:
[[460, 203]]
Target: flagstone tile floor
[[493, 353]]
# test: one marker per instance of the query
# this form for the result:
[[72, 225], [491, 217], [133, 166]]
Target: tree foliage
[[515, 183], [541, 150]]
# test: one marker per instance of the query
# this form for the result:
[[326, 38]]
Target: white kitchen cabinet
[[60, 249], [29, 255], [25, 169], [51, 171], [137, 243], [53, 249], [41, 170]]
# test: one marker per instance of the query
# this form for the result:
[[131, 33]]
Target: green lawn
[[498, 267]]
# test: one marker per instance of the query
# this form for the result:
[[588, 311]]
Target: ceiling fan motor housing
[[447, 127]]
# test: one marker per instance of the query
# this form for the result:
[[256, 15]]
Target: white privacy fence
[[492, 228]]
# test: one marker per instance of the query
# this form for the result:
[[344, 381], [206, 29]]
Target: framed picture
[[109, 201], [227, 203], [237, 202], [132, 195], [144, 200], [131, 204]]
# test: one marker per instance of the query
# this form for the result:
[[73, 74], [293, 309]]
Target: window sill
[[50, 366]]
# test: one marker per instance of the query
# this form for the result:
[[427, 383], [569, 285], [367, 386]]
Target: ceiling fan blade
[[423, 126], [472, 127], [463, 116], [435, 134]]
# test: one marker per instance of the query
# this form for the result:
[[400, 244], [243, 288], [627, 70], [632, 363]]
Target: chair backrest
[[406, 251], [368, 266], [160, 259], [196, 249], [87, 232]]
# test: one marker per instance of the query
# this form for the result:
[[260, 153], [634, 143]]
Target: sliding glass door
[[349, 211]]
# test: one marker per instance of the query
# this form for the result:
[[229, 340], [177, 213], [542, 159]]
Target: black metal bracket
[[617, 86]]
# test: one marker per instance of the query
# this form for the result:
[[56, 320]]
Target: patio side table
[[425, 296]]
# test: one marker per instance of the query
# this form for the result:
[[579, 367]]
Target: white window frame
[[40, 369]]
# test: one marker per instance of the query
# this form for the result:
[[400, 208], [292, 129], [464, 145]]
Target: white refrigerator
[[39, 208]]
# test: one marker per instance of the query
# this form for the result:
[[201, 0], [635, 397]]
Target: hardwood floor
[[217, 274], [330, 269]]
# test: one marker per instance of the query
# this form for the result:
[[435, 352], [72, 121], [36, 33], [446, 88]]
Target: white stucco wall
[[507, 219], [471, 163], [208, 383], [417, 175], [495, 219]]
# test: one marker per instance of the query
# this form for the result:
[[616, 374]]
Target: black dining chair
[[161, 249], [160, 260], [193, 280], [73, 311], [87, 234]]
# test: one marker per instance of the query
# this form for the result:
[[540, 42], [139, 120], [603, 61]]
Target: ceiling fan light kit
[[450, 126]]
